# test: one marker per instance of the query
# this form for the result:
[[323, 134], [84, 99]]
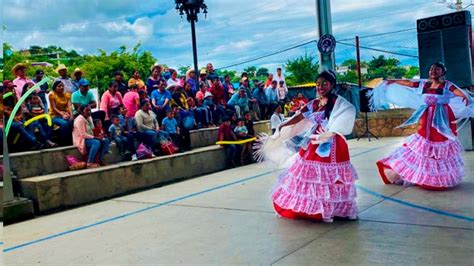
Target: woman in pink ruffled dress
[[430, 158], [319, 183]]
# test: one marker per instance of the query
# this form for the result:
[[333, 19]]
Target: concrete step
[[45, 162], [71, 188], [208, 136]]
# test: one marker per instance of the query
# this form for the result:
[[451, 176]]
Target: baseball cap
[[84, 82]]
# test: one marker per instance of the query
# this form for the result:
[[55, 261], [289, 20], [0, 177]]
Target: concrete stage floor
[[227, 218]]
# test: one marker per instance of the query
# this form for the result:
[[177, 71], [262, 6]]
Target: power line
[[270, 54], [379, 34], [379, 50]]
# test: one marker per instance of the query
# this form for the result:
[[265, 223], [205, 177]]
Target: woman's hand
[[323, 135], [464, 99]]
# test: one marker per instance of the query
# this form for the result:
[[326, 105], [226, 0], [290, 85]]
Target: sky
[[233, 31]]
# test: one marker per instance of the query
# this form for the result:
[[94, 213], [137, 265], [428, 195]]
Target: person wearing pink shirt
[[111, 100], [131, 100], [19, 70]]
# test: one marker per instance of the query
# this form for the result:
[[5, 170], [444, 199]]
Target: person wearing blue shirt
[[170, 125], [240, 102], [160, 100], [272, 96], [262, 99]]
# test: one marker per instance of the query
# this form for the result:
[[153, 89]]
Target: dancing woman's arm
[[404, 82]]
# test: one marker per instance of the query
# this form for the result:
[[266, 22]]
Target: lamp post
[[192, 8]]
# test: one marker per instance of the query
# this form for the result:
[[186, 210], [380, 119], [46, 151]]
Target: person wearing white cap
[[67, 81], [208, 102]]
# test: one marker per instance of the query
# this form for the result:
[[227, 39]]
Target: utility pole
[[323, 16], [192, 8], [456, 5]]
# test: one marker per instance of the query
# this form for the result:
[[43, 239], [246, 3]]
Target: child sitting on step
[[99, 134], [117, 134]]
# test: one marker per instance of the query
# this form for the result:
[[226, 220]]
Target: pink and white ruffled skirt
[[428, 164], [316, 190]]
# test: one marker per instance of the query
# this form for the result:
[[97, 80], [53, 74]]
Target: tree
[[349, 77], [251, 71], [99, 69], [262, 72], [183, 69], [381, 67], [412, 72], [301, 70], [232, 74], [351, 63]]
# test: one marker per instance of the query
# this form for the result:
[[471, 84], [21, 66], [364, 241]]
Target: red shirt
[[225, 133], [98, 132], [218, 93]]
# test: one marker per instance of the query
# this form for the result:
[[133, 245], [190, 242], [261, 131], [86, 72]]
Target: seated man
[[225, 133], [240, 102], [85, 97]]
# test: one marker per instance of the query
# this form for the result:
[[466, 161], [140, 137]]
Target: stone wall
[[384, 123]]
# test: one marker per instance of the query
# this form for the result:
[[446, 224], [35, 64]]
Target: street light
[[192, 8]]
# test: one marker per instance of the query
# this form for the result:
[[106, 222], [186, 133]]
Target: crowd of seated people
[[163, 107]]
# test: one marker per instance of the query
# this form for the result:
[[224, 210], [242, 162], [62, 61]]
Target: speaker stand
[[367, 132]]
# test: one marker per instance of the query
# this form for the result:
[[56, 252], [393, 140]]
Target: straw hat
[[156, 65], [17, 66], [189, 71], [203, 71], [61, 67], [77, 70]]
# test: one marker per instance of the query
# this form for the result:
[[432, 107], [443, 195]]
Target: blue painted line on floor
[[412, 205], [119, 217], [81, 228]]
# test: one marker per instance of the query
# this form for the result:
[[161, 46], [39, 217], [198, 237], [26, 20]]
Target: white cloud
[[234, 30]]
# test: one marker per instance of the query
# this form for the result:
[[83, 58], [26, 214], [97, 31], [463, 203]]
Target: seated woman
[[61, 111], [147, 125], [110, 101], [84, 139], [200, 104]]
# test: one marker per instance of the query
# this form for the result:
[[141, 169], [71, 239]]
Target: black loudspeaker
[[447, 38], [365, 108], [364, 100]]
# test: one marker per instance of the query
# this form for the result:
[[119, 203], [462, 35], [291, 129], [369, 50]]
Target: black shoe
[[37, 146]]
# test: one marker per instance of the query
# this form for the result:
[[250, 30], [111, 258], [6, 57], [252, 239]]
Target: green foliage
[[98, 69], [301, 70], [251, 70], [349, 77], [262, 72], [182, 70], [232, 74], [381, 67], [412, 71]]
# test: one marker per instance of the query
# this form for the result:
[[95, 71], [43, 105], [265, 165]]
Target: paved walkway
[[227, 218]]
